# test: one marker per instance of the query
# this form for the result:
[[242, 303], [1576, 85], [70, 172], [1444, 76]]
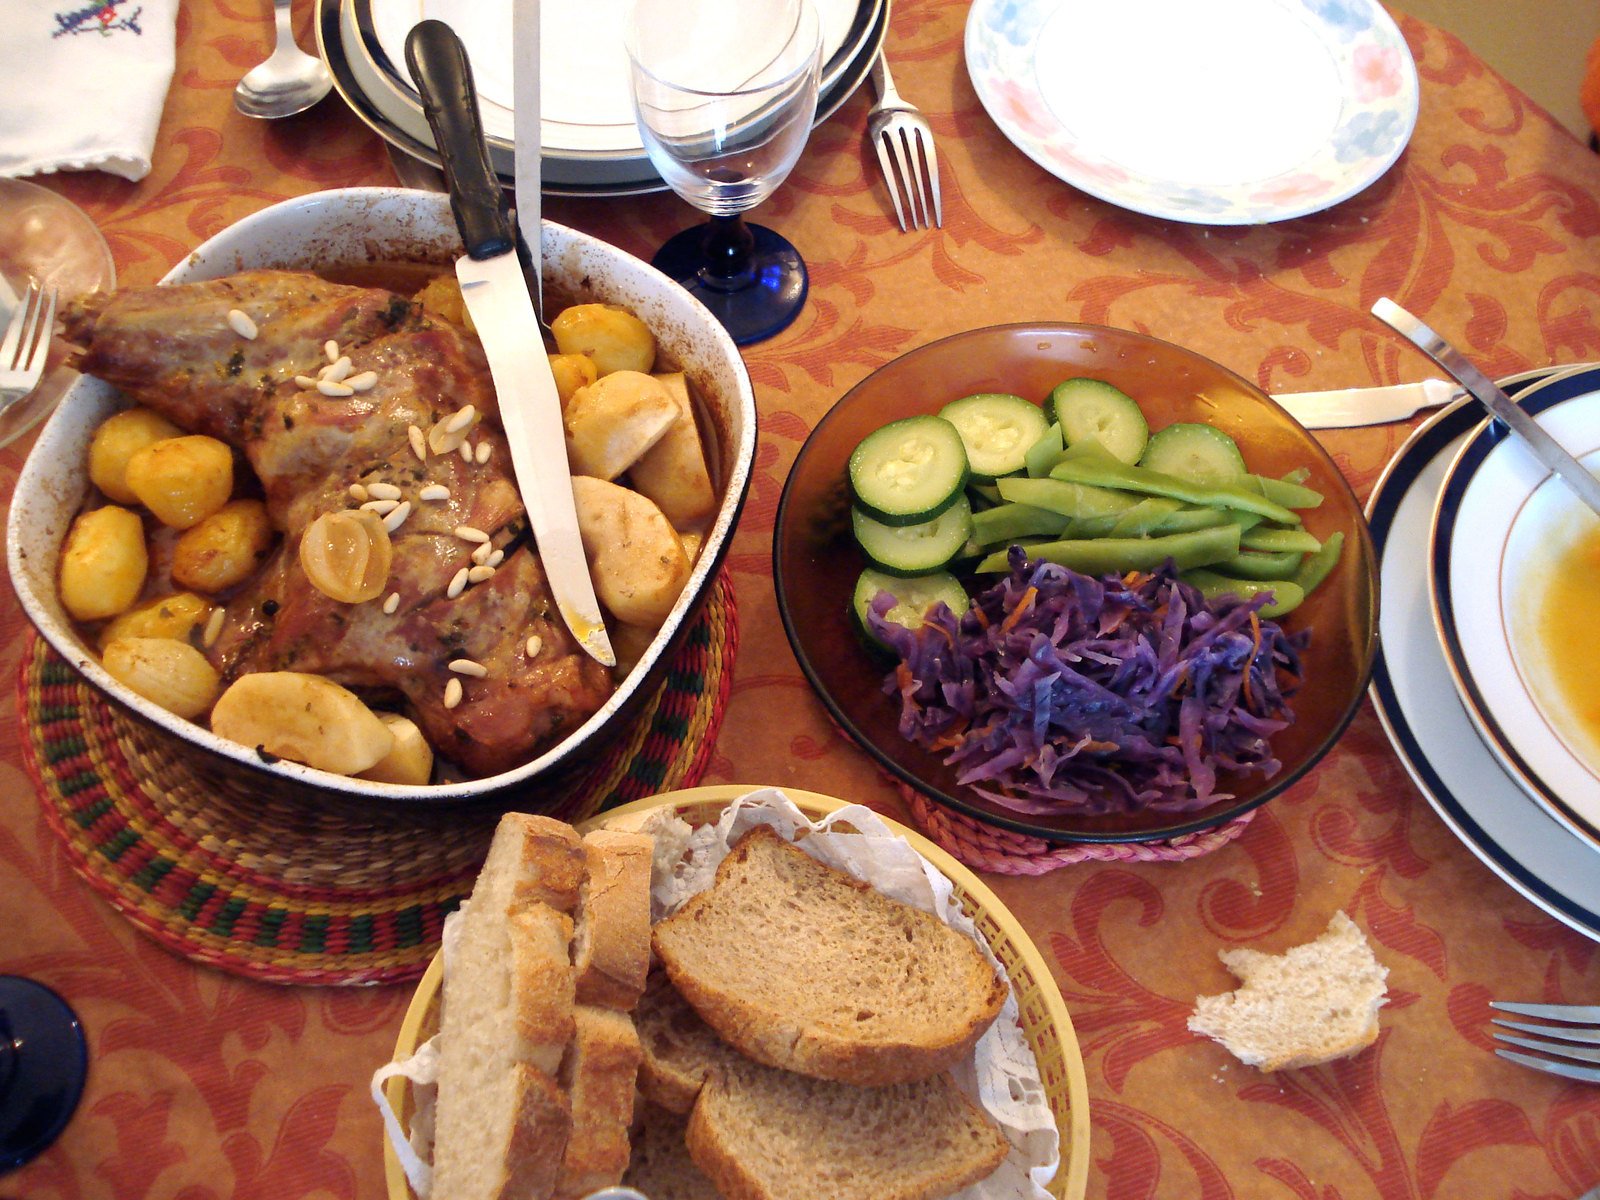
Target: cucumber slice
[[1091, 409], [909, 471], [1195, 451], [904, 550], [913, 597], [997, 429]]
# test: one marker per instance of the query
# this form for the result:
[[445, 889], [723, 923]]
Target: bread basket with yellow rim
[[1042, 1014]]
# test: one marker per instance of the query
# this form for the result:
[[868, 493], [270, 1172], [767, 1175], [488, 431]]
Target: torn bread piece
[[660, 1166], [611, 943], [1314, 1003], [502, 1121], [679, 1049]]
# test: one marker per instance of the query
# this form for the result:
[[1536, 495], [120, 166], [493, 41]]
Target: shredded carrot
[[1020, 611], [1255, 649], [950, 738], [980, 616], [902, 676]]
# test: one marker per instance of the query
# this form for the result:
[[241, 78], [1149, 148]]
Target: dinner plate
[[1411, 689], [816, 562], [1502, 524], [584, 96], [396, 115], [1043, 1015], [1230, 112]]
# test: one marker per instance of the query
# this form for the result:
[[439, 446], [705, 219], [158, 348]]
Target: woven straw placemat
[[281, 893]]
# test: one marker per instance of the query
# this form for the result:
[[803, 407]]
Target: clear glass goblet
[[45, 236], [725, 93], [43, 1064]]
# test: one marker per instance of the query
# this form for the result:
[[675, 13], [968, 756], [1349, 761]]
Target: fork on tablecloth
[[904, 142], [26, 344], [1568, 1041]]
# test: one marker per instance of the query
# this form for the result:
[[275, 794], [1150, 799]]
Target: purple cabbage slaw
[[1060, 693]]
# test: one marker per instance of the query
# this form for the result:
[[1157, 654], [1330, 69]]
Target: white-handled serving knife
[[496, 294], [1349, 407]]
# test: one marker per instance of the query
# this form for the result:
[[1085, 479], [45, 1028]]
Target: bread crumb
[[1314, 1003]]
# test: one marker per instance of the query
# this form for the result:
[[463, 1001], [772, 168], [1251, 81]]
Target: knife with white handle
[[497, 297], [1350, 407]]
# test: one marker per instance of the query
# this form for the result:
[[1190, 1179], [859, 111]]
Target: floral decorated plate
[[1231, 112]]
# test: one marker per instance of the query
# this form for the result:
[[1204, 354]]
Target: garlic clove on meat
[[346, 555]]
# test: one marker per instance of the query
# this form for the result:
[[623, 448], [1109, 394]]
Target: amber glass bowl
[[816, 562]]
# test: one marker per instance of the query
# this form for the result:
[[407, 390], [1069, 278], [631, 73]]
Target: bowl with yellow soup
[[1514, 578]]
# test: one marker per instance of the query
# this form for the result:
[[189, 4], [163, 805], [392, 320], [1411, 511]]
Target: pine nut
[[535, 644], [482, 453], [329, 388], [358, 493], [452, 693], [460, 419], [213, 628], [495, 559], [382, 507], [391, 603], [239, 321], [331, 349], [481, 554], [339, 371], [398, 517], [363, 382], [305, 381], [458, 584], [419, 444], [479, 573], [466, 666], [383, 491], [468, 533], [465, 450], [434, 491]]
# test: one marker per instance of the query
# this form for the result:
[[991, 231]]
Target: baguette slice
[[501, 1120], [764, 1134], [1312, 1004], [661, 1167], [679, 1049], [801, 967], [611, 943], [599, 1080]]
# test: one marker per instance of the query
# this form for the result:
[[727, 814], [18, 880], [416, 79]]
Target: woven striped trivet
[[985, 847], [276, 892]]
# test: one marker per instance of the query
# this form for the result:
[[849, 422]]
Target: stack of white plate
[[591, 145], [1471, 535]]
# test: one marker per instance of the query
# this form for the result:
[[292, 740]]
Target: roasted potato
[[410, 761], [629, 643], [635, 557], [224, 549], [182, 480], [673, 471], [441, 297], [119, 438], [170, 673], [302, 717], [176, 615], [615, 420], [103, 563], [609, 334], [572, 371]]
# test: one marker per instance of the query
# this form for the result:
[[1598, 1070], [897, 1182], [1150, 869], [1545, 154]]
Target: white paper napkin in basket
[[82, 84], [1003, 1075]]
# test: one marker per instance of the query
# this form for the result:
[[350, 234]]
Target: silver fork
[[26, 344], [1569, 1044], [905, 151]]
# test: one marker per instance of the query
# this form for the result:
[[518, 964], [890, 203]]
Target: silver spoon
[[288, 82]]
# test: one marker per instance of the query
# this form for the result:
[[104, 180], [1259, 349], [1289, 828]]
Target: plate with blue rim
[[1230, 112], [1538, 856]]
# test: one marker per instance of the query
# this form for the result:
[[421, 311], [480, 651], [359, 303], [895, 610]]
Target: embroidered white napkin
[[82, 83]]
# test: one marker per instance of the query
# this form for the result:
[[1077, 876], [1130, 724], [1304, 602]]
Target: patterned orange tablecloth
[[1488, 227]]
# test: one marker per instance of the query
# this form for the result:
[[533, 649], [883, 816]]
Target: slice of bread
[[764, 1134], [611, 943], [598, 1077], [679, 1049], [661, 1167], [801, 967], [501, 1121], [1312, 1004]]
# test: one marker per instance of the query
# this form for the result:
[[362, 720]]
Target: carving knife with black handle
[[496, 294]]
